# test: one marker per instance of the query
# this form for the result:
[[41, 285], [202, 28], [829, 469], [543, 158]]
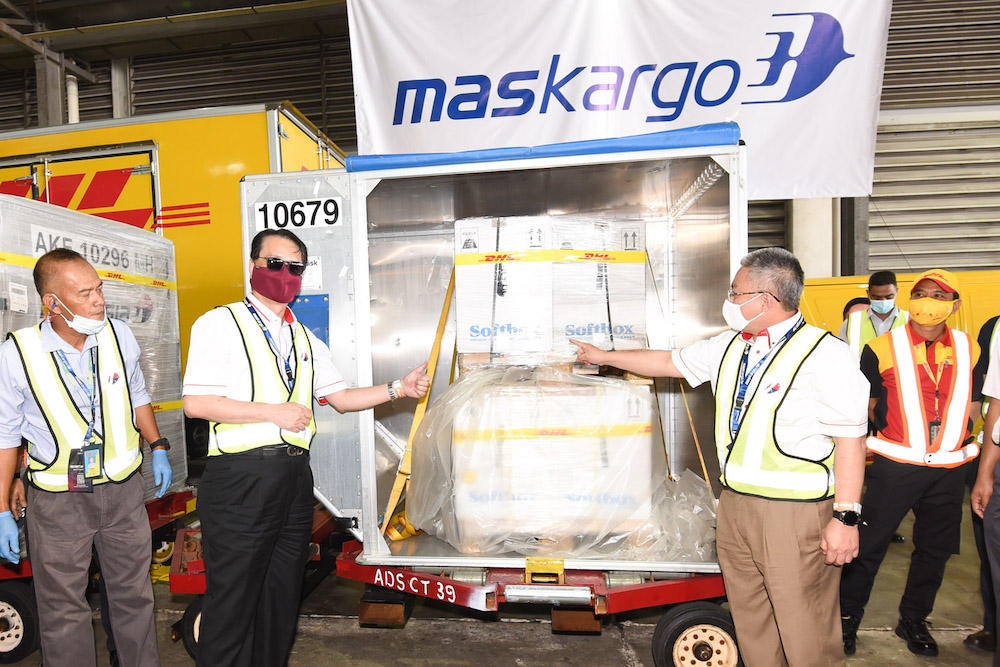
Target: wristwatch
[[848, 518], [162, 443]]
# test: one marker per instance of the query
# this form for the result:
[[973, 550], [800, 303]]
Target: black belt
[[275, 450]]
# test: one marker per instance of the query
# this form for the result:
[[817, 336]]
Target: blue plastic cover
[[715, 134]]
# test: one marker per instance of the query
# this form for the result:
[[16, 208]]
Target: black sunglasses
[[294, 268]]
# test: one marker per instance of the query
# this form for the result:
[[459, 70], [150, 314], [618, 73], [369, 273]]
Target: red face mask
[[280, 286]]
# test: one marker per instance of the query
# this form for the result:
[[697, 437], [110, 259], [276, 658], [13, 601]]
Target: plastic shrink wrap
[[546, 463], [140, 289], [526, 285]]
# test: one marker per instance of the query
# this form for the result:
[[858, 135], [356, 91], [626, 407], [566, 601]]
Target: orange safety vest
[[947, 450]]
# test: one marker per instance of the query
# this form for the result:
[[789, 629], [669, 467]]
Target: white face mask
[[883, 306], [733, 314], [80, 324]]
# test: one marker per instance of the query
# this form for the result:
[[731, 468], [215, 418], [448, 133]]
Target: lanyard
[[747, 375], [936, 379], [91, 391], [289, 378]]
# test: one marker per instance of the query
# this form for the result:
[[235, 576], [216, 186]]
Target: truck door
[[117, 184]]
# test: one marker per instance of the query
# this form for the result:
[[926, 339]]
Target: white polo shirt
[[828, 397], [217, 364], [20, 415], [991, 385]]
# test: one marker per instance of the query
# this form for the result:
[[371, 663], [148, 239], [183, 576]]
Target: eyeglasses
[[733, 295], [276, 264]]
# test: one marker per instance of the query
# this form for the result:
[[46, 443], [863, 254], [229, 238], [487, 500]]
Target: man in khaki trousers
[[790, 412]]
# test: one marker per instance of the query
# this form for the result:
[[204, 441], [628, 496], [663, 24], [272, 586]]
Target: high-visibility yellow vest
[[121, 452], [267, 372], [752, 462], [947, 450], [861, 329]]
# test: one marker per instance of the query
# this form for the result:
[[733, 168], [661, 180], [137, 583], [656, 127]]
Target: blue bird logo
[[820, 55]]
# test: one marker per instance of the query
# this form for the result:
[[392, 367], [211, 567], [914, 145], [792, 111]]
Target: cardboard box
[[599, 294], [503, 285]]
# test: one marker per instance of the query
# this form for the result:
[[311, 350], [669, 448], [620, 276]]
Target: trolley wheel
[[162, 552], [696, 634], [191, 623], [19, 634]]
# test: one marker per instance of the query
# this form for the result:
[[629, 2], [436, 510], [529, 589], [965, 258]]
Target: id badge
[[77, 480], [92, 460], [932, 429]]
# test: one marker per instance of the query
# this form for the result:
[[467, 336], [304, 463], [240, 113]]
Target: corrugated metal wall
[[936, 195], [314, 75], [18, 101], [767, 224]]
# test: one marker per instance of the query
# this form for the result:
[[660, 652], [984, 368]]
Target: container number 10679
[[298, 213]]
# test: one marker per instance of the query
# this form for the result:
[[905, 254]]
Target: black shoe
[[850, 624], [918, 638], [984, 640]]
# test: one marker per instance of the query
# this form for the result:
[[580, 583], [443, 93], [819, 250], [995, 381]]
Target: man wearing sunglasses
[[253, 371]]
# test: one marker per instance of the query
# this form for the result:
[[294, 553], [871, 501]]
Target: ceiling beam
[[40, 50], [13, 9]]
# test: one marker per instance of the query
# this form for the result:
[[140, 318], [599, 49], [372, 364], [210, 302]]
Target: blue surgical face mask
[[883, 306]]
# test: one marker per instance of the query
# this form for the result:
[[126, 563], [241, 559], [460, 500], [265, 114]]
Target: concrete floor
[[439, 635]]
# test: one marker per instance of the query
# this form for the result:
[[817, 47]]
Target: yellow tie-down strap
[[609, 431], [168, 405], [609, 256], [29, 262]]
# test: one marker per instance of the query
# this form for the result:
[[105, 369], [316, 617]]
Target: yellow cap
[[947, 280]]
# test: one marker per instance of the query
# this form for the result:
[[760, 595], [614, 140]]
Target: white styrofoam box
[[599, 302], [503, 294], [552, 465]]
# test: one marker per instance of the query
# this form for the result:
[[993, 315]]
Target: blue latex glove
[[10, 547], [163, 474]]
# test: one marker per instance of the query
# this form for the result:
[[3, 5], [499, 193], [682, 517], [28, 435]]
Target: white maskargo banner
[[801, 77]]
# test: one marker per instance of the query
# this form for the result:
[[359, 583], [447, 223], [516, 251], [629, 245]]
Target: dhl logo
[[105, 191], [158, 283], [605, 256], [114, 275], [501, 257], [168, 405]]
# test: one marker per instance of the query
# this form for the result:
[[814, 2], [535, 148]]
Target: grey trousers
[[62, 527]]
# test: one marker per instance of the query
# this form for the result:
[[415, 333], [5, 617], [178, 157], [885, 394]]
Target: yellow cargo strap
[[403, 471], [680, 383], [697, 445]]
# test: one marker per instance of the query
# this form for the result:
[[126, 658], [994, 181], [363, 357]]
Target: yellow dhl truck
[[824, 299], [177, 174]]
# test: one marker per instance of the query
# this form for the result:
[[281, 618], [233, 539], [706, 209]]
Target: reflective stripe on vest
[[859, 335], [753, 462], [68, 426], [947, 450], [267, 373]]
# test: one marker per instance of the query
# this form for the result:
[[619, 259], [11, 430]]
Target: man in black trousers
[[253, 371]]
